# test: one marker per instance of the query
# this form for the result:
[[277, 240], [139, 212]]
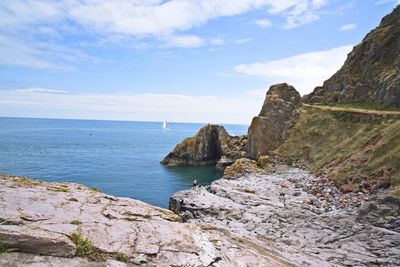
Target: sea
[[120, 158]]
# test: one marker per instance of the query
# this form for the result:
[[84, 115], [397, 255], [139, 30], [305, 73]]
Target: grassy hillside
[[347, 146]]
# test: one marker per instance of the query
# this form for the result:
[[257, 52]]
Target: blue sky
[[187, 60]]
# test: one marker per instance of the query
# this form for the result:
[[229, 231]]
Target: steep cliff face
[[278, 115], [371, 72], [210, 144]]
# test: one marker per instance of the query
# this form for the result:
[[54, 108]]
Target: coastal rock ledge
[[306, 220], [211, 145], [68, 224]]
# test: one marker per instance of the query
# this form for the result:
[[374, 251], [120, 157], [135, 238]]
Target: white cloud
[[126, 106], [185, 41], [304, 71], [146, 17], [42, 55], [264, 23], [136, 24], [347, 27]]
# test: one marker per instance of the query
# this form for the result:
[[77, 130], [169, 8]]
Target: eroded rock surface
[[41, 218], [208, 146], [307, 221], [278, 115]]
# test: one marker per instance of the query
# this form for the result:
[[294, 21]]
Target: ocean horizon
[[118, 157]]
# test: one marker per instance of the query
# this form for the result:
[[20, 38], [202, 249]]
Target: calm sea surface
[[120, 158]]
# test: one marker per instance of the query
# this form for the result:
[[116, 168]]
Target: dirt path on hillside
[[359, 110]]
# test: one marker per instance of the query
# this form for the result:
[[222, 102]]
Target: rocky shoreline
[[67, 224], [306, 220]]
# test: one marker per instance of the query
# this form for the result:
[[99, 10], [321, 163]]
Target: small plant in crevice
[[75, 222], [3, 247], [84, 246], [95, 189], [72, 199], [121, 257]]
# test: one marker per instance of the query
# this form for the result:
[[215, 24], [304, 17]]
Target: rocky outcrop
[[208, 146], [306, 220], [278, 115], [242, 167], [371, 72], [57, 221]]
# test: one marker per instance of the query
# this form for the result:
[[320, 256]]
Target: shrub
[[121, 257], [84, 246], [72, 199], [75, 222]]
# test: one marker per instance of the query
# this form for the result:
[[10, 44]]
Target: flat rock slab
[[41, 218], [308, 229]]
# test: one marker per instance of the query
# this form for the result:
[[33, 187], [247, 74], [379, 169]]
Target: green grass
[[349, 147], [3, 247], [365, 105], [121, 257], [75, 222], [83, 245], [58, 189], [95, 189]]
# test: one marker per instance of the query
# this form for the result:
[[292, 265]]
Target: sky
[[208, 61]]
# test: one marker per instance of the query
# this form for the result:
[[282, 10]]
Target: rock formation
[[57, 222], [371, 72], [278, 115], [209, 145], [308, 221]]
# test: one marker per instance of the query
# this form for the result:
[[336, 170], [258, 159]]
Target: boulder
[[208, 146], [370, 72], [242, 167], [36, 241], [278, 115]]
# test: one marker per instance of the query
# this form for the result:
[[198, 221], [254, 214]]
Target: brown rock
[[278, 115], [210, 144]]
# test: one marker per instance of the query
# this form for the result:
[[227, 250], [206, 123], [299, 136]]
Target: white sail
[[165, 125]]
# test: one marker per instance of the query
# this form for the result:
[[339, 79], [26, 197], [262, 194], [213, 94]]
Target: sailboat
[[165, 125]]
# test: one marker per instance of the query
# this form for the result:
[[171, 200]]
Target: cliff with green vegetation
[[371, 73], [355, 147]]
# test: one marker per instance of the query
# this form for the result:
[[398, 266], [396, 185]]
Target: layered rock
[[208, 146], [55, 221], [306, 220], [371, 72], [278, 115]]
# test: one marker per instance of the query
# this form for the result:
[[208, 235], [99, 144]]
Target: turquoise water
[[120, 158]]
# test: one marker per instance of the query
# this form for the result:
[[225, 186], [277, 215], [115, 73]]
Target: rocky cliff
[[208, 146], [278, 115], [371, 72]]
